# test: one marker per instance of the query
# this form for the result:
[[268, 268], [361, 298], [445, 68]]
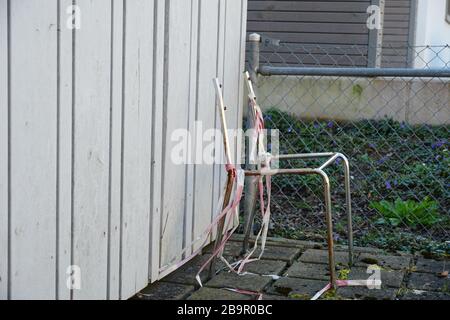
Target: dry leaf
[[443, 274]]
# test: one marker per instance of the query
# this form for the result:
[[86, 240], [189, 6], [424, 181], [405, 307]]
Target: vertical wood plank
[[205, 113], [232, 71], [64, 151], [242, 101], [4, 185], [33, 148], [190, 181], [176, 113], [219, 176], [116, 150], [157, 136], [136, 146], [91, 149]]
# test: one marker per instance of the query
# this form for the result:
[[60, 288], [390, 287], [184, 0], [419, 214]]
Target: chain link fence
[[395, 131]]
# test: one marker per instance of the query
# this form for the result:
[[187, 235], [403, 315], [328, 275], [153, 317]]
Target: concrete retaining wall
[[415, 101]]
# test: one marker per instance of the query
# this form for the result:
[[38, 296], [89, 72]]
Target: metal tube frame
[[250, 182], [354, 72], [332, 157], [255, 68]]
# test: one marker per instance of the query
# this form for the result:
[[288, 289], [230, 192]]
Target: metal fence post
[[251, 182], [255, 44], [376, 39]]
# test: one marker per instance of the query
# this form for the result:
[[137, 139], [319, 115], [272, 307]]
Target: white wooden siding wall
[[86, 118]]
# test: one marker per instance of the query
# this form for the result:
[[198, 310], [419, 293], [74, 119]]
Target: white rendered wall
[[432, 29]]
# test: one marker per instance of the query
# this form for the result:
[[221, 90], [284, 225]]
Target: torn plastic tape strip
[[347, 283], [246, 292], [240, 176], [265, 212]]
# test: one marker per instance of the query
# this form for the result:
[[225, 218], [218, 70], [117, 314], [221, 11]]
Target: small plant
[[398, 240], [299, 296], [410, 212], [343, 274]]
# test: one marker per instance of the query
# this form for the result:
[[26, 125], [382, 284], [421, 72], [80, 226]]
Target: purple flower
[[330, 124], [290, 129], [338, 161], [388, 185], [439, 144], [382, 160], [336, 237], [403, 125], [316, 125], [372, 146]]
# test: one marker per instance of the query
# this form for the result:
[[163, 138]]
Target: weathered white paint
[[115, 183], [231, 95], [207, 69], [159, 88], [91, 147], [136, 162], [33, 148], [4, 138], [432, 28], [193, 61], [219, 177], [65, 153], [176, 113], [86, 117]]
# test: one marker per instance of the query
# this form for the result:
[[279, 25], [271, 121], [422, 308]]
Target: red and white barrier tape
[[229, 213], [258, 295], [264, 159], [348, 283]]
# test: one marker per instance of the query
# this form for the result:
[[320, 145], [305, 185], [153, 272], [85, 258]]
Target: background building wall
[[398, 29], [432, 29], [334, 27], [324, 33]]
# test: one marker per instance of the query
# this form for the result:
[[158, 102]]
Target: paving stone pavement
[[217, 294], [296, 270], [165, 291], [249, 282]]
